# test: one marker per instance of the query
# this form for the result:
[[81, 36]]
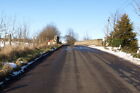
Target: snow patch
[[16, 73], [1, 83], [118, 53], [13, 65]]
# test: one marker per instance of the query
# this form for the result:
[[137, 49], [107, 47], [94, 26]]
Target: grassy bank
[[19, 56]]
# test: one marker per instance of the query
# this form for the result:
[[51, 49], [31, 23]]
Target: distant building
[[54, 41]]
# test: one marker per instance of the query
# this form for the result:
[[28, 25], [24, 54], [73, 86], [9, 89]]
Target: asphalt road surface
[[78, 69]]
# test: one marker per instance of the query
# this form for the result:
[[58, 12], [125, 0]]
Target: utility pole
[[10, 39]]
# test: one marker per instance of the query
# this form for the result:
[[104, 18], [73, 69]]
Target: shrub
[[21, 61], [116, 42], [3, 73], [136, 55], [7, 68]]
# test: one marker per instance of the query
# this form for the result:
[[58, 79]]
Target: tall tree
[[123, 34], [48, 33], [86, 37], [70, 37]]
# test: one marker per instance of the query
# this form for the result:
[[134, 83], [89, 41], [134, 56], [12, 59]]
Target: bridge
[[97, 42]]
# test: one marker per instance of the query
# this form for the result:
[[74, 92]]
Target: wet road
[[78, 69]]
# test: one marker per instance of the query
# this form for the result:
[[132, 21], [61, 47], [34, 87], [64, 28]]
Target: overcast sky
[[83, 16]]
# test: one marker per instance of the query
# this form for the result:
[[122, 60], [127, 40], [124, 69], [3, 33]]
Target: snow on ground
[[1, 83], [118, 53], [13, 65]]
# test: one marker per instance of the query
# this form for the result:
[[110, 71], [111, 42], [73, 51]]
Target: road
[[79, 69]]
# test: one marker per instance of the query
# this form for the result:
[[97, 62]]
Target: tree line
[[50, 31], [10, 31]]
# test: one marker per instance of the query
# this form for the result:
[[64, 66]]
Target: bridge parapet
[[97, 42]]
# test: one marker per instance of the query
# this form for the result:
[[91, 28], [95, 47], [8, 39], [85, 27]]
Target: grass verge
[[19, 57]]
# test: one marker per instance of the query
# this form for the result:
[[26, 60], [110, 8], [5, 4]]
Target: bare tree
[[48, 33], [110, 26], [3, 28], [136, 5], [11, 26], [10, 30], [70, 37], [21, 34], [22, 31], [86, 37], [107, 28], [7, 28], [111, 22]]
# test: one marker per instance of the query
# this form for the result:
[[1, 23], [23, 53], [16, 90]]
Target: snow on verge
[[118, 53], [12, 65]]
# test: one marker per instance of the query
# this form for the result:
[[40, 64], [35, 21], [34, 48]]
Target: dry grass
[[20, 55], [10, 53]]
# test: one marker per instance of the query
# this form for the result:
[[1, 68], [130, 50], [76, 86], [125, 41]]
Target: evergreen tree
[[123, 35]]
